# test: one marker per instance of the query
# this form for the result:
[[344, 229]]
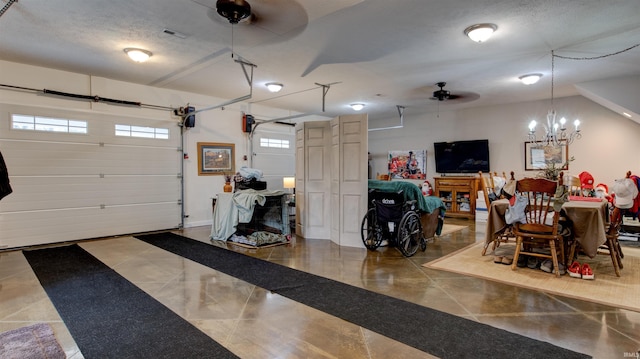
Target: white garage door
[[71, 183], [273, 152]]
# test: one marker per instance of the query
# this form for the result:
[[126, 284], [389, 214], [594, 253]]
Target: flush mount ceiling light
[[138, 55], [530, 79], [274, 86], [357, 106], [480, 32]]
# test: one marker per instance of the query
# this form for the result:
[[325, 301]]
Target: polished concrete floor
[[254, 323]]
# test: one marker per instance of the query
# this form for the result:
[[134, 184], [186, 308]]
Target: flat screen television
[[462, 156]]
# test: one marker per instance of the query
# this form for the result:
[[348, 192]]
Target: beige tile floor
[[254, 323]]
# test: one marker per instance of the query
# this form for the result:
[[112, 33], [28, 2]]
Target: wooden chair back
[[541, 218], [541, 227], [574, 185], [486, 184]]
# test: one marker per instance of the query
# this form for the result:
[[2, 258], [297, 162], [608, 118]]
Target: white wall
[[608, 148]]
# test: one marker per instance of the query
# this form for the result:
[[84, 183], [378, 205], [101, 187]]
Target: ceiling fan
[[263, 21], [442, 94], [233, 10]]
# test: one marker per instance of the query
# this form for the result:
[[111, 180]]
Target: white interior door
[[349, 178]]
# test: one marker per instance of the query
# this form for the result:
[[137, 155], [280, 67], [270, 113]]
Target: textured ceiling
[[379, 52]]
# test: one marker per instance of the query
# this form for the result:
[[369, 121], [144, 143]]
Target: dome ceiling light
[[138, 55], [480, 32], [357, 106], [530, 79], [274, 86]]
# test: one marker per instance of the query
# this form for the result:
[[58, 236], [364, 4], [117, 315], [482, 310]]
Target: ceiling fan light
[[357, 106], [480, 32], [274, 86], [530, 79], [138, 55]]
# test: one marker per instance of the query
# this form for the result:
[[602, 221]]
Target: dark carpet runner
[[109, 317], [438, 333]]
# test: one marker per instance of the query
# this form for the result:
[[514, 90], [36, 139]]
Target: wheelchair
[[389, 217]]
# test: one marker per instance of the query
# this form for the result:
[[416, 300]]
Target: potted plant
[[551, 171]]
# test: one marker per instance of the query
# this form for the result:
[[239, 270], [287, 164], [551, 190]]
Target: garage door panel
[[35, 193], [24, 229], [74, 159]]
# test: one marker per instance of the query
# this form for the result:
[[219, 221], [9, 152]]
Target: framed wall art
[[410, 164], [216, 158], [539, 157]]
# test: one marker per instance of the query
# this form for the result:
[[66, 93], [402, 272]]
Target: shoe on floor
[[522, 261], [563, 269], [547, 266], [507, 260], [587, 272], [497, 259], [575, 271], [533, 262]]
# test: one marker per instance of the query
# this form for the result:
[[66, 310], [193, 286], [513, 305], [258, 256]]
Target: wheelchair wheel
[[409, 234], [370, 232]]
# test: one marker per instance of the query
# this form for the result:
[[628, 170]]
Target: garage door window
[[143, 132], [47, 124], [274, 143]]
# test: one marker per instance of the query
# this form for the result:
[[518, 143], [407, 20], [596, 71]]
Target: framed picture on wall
[[410, 164], [538, 157], [216, 158]]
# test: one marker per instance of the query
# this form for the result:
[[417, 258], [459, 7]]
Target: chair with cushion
[[540, 228]]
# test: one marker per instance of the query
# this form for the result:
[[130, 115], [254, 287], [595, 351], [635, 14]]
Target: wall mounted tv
[[462, 156]]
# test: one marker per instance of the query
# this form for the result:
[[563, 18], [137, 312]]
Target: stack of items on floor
[[625, 196], [259, 239], [482, 210]]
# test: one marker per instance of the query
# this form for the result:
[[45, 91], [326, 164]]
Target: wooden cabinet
[[458, 195]]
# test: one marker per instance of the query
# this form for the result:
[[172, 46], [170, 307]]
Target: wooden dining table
[[588, 221]]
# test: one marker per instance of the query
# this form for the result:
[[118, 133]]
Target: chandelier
[[555, 130]]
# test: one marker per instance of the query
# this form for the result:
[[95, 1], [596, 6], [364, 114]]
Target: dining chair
[[487, 185], [540, 231], [611, 246], [574, 185]]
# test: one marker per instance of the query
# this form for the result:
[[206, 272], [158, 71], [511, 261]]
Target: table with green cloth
[[588, 222], [411, 191]]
